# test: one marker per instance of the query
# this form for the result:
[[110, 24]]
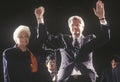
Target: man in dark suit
[[75, 49], [112, 72]]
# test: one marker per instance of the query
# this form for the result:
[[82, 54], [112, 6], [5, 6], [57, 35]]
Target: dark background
[[15, 13]]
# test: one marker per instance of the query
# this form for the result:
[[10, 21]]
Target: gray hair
[[76, 17], [20, 29]]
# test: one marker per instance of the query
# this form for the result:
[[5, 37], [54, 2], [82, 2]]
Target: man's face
[[51, 65], [114, 64], [76, 28]]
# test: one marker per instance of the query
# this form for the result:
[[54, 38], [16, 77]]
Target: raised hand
[[99, 10], [39, 12]]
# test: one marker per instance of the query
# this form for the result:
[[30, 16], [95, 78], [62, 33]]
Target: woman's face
[[22, 39]]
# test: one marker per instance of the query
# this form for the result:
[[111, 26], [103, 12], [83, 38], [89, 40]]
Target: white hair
[[75, 17], [20, 29]]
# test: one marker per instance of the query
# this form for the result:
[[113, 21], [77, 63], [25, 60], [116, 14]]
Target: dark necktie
[[76, 46], [76, 51]]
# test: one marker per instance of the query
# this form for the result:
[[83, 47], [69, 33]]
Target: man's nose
[[75, 27]]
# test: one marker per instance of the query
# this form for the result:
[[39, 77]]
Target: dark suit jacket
[[83, 61], [108, 74]]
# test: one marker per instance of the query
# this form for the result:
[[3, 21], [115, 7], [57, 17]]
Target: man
[[51, 66], [74, 57], [112, 72]]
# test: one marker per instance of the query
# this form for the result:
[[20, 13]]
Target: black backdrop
[[14, 13]]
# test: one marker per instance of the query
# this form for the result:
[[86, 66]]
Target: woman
[[19, 63]]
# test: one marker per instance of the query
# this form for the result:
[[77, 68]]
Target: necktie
[[76, 52], [76, 46]]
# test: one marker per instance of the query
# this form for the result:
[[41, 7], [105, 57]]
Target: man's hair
[[50, 57], [20, 29], [76, 17], [116, 58]]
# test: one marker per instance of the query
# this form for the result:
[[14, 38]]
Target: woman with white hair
[[19, 63]]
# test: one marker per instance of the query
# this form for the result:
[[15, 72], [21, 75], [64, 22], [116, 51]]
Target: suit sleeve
[[101, 39], [41, 34], [44, 38], [5, 69]]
